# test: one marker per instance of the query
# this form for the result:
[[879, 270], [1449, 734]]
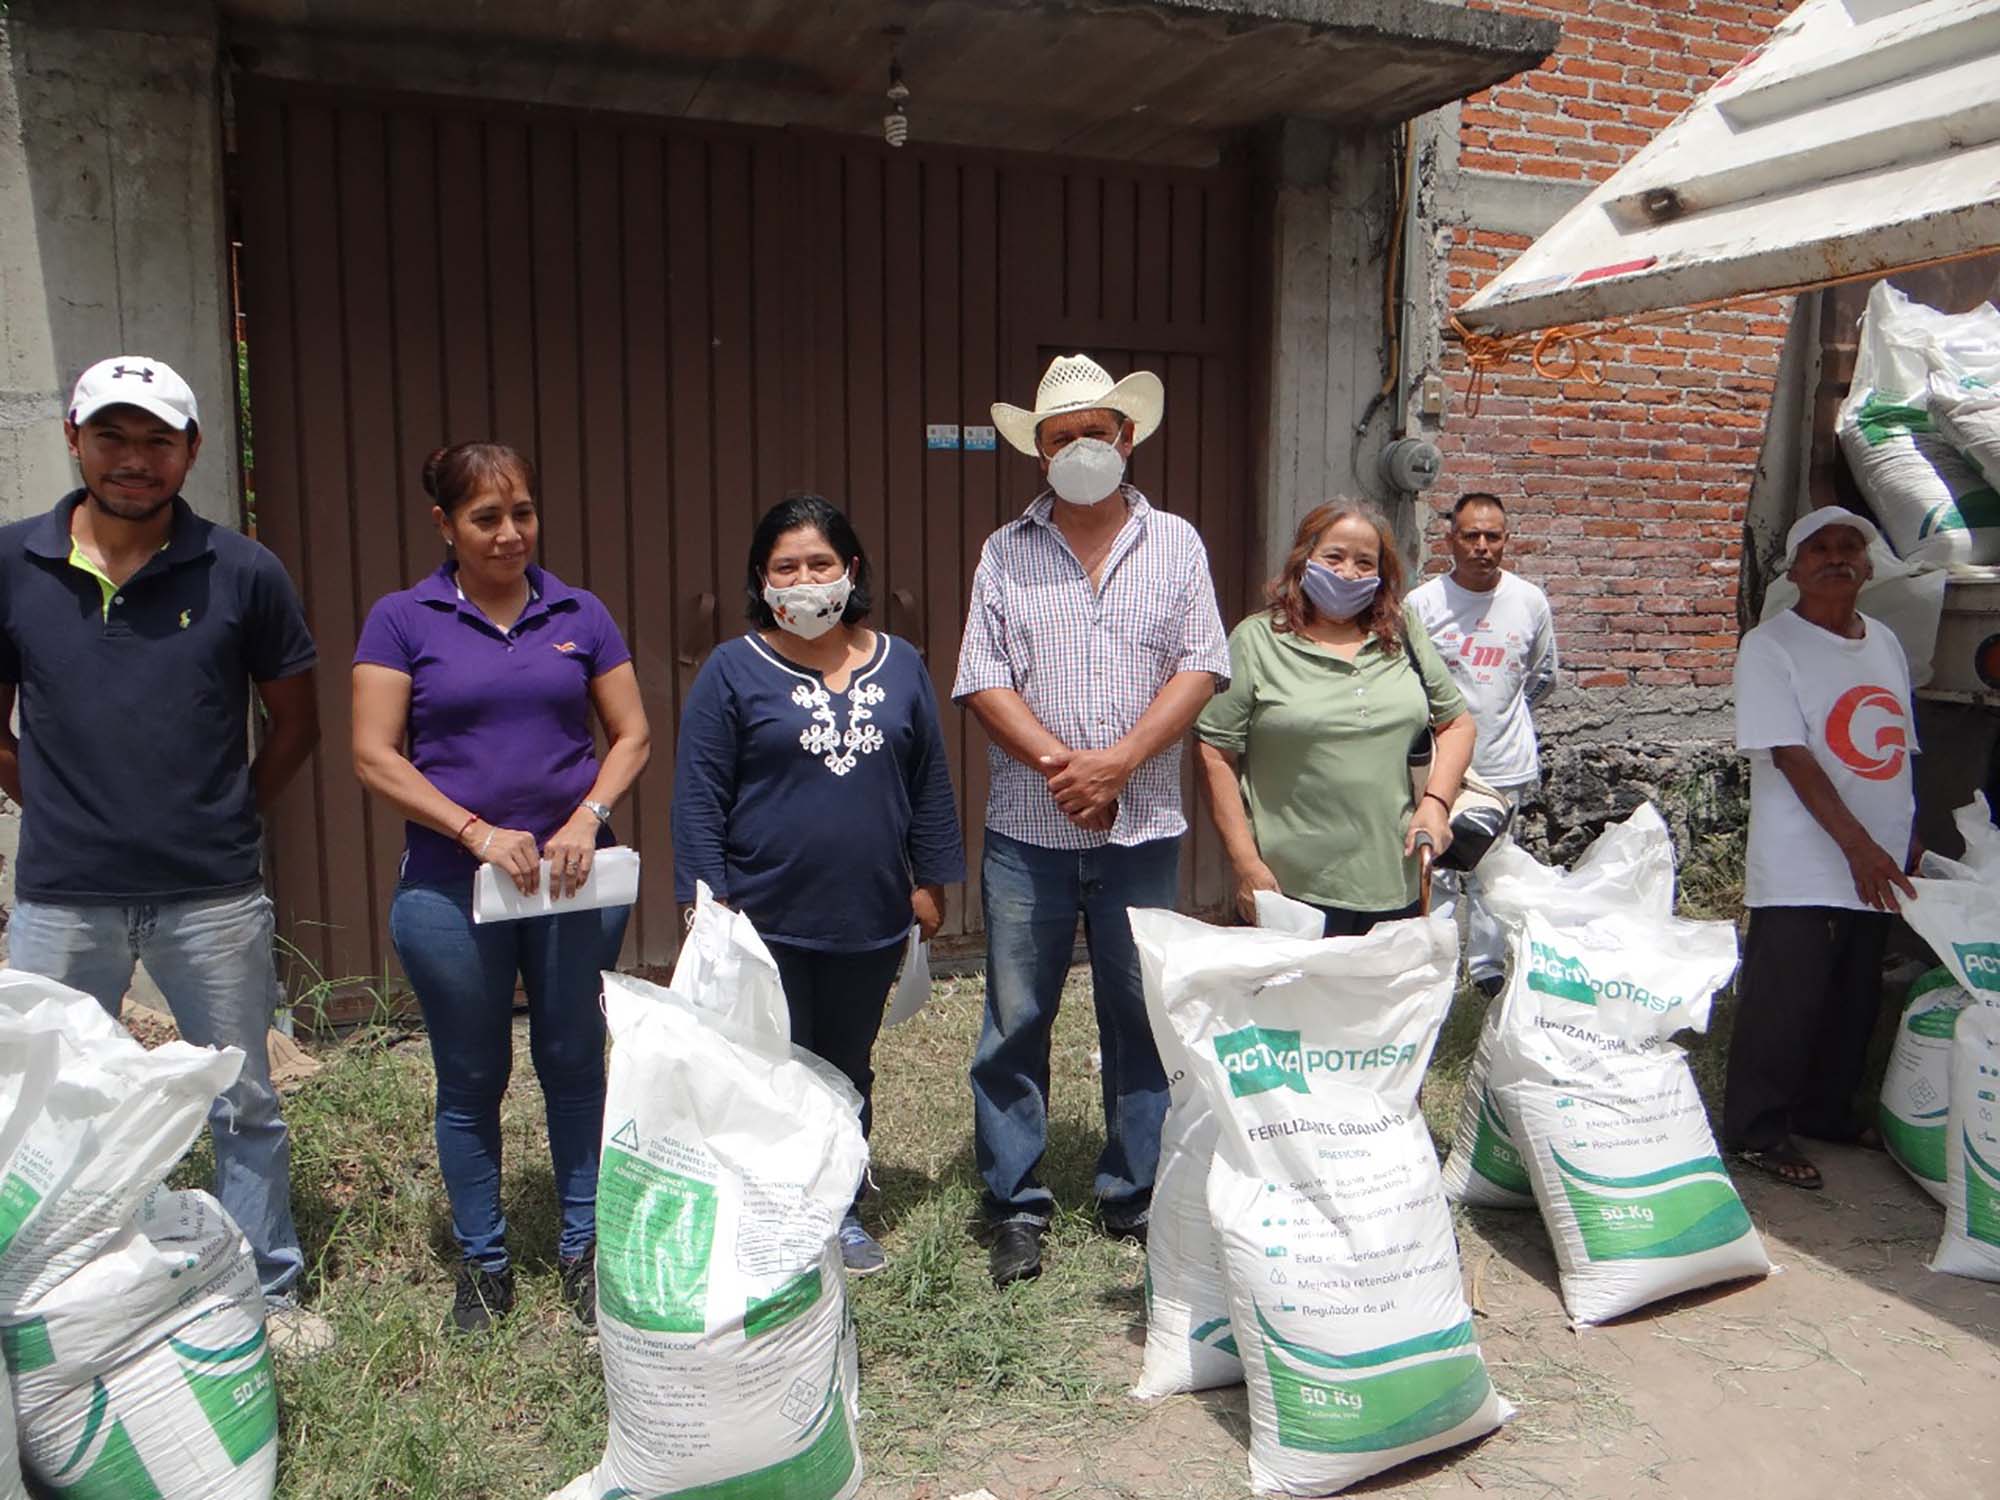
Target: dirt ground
[[1853, 1372]]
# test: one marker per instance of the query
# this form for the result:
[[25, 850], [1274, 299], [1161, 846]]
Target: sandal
[[1786, 1163]]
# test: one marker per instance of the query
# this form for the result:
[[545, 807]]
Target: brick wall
[[1626, 499]]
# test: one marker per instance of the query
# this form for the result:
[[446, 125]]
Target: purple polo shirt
[[499, 721]]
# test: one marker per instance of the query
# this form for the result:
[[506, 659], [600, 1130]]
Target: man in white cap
[[1823, 710], [1092, 641], [131, 630]]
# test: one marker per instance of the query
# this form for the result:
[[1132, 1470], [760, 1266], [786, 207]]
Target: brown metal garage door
[[680, 324]]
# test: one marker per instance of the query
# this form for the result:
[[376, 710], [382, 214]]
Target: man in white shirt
[[1823, 710], [1496, 635]]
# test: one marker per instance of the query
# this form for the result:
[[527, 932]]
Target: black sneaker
[[482, 1297], [1016, 1254], [1491, 985], [1134, 1232], [579, 1288]]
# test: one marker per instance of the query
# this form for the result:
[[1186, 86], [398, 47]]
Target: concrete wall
[[112, 232]]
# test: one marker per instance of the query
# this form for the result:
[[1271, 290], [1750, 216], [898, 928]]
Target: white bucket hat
[[1815, 521], [1076, 382], [134, 380]]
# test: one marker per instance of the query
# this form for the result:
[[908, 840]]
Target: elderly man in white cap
[[1823, 710], [1092, 641], [131, 631]]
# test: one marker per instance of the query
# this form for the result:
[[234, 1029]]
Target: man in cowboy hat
[[1823, 710], [1091, 643]]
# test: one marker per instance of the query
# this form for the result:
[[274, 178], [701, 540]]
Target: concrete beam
[[1507, 205], [113, 236]]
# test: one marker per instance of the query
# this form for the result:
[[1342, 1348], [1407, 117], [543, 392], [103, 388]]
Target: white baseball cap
[[133, 380], [1816, 521]]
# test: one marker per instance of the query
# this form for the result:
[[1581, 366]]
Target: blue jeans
[[212, 961], [1032, 897], [464, 977]]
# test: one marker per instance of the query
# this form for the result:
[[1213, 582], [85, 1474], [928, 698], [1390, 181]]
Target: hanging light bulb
[[896, 123]]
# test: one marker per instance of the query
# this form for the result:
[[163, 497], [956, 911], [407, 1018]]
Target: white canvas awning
[[1864, 136]]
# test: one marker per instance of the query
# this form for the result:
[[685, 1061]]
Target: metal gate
[[680, 323]]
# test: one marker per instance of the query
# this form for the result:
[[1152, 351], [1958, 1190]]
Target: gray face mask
[[1087, 471], [1336, 597]]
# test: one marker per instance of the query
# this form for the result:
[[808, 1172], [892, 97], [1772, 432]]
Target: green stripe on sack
[[1679, 1219], [1494, 1155], [1982, 1199], [1881, 420], [1918, 1149], [795, 1298], [18, 1200], [26, 1346], [1424, 1343], [1376, 1413], [1700, 1166], [1210, 1329], [1931, 981]]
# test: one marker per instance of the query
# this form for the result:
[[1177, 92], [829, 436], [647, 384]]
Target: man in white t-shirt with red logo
[[1498, 640], [1823, 710]]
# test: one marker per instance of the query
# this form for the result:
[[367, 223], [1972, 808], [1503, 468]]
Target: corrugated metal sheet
[[679, 324]]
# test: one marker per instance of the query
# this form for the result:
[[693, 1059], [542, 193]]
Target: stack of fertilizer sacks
[[1921, 428], [1299, 1241], [130, 1316], [1579, 1103], [1939, 1095]]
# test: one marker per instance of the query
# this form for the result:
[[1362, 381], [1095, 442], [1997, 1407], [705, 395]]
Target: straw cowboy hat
[[1076, 382]]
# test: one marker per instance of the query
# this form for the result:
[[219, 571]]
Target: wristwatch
[[602, 810]]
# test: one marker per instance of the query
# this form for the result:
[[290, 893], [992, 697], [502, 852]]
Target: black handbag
[[1481, 814]]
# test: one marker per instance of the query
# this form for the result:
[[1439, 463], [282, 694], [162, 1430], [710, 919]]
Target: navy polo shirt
[[500, 720], [134, 703]]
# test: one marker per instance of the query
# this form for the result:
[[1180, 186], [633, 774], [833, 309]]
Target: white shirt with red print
[[1500, 648], [1848, 702]]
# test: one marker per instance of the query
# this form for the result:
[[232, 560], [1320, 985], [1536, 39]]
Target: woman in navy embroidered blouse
[[812, 792]]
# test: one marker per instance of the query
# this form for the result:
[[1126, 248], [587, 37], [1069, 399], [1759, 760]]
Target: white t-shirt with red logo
[[1500, 648], [1849, 703]]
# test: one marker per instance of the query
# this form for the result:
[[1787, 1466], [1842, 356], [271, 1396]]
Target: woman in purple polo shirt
[[490, 670], [812, 793]]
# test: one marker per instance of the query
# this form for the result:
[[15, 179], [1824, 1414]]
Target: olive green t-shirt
[[1324, 749]]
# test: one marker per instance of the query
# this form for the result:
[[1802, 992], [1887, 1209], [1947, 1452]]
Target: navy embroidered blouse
[[813, 812]]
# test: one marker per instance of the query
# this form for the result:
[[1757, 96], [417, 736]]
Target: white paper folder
[[614, 881]]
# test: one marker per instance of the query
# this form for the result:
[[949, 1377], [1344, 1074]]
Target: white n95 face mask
[[809, 610], [1087, 471]]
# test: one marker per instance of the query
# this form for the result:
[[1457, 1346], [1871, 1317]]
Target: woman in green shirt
[[1306, 758]]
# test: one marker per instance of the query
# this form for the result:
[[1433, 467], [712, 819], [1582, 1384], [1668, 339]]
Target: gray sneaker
[[858, 1250], [294, 1333]]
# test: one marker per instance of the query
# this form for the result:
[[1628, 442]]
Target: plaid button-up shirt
[[1088, 660]]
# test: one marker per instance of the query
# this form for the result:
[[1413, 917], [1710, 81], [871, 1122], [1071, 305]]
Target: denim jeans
[[212, 960], [464, 975], [1031, 897]]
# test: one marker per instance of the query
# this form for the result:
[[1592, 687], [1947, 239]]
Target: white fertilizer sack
[[1190, 1342], [145, 1375], [725, 969], [1607, 1115], [1485, 1169], [1916, 1090], [113, 1122], [1628, 870], [1960, 919], [729, 1357], [1932, 504], [1344, 1285], [1971, 1242]]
